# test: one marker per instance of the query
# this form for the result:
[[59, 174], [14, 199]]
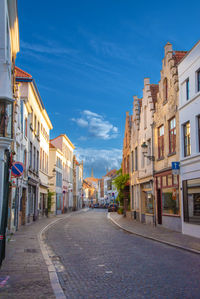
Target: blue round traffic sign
[[17, 169]]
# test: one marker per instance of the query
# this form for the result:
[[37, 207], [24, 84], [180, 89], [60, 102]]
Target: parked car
[[96, 205], [112, 208]]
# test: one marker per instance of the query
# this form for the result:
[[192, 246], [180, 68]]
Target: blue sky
[[90, 57]]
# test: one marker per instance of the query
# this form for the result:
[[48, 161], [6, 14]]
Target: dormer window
[[165, 90]]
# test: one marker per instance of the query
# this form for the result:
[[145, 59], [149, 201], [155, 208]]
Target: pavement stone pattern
[[99, 260], [160, 233], [24, 266]]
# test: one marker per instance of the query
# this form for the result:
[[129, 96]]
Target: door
[[23, 206], [159, 206]]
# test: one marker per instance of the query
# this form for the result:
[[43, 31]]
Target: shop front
[[147, 210], [167, 198], [191, 206]]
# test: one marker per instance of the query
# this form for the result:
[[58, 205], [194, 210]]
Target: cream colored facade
[[166, 145], [134, 167], [36, 127], [45, 127], [66, 147], [146, 155]]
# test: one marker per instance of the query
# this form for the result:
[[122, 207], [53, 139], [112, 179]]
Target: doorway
[[159, 206]]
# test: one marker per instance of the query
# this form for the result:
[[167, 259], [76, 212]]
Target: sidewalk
[[159, 234], [24, 273]]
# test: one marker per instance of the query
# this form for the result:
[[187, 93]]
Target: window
[[142, 159], [165, 89], [187, 146], [40, 159], [37, 167], [132, 159], [172, 135], [30, 155], [25, 130], [149, 203], [198, 124], [136, 159], [145, 117], [35, 122], [128, 158], [22, 114], [187, 89], [124, 165], [149, 151], [161, 142], [191, 201], [34, 158], [24, 159], [198, 80], [38, 127], [170, 201], [58, 179]]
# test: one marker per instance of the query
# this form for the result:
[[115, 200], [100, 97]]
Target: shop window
[[169, 180], [170, 201], [187, 145], [158, 182], [172, 135], [161, 142], [191, 201], [149, 203]]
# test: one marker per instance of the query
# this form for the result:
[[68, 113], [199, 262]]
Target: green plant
[[50, 194], [120, 210], [120, 183]]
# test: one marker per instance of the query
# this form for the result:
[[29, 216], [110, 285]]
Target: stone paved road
[[101, 261]]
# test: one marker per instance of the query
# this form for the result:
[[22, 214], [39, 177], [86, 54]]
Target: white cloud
[[100, 160], [96, 125]]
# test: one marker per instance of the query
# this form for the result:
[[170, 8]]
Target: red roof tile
[[21, 74], [178, 55]]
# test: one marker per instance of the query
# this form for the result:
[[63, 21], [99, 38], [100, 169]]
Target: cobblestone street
[[101, 261]]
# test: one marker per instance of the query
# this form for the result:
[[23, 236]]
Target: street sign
[[17, 169], [175, 168]]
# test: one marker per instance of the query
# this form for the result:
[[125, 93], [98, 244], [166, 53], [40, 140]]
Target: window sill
[[171, 154], [171, 215], [159, 159]]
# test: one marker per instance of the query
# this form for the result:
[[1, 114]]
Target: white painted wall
[[188, 111]]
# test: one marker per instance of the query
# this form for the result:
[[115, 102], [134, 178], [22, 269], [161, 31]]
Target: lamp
[[144, 146]]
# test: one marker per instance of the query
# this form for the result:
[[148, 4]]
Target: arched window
[[165, 89]]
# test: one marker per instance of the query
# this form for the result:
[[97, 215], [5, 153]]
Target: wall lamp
[[144, 146]]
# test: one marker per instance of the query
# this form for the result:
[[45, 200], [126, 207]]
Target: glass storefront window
[[191, 198], [169, 180], [149, 203], [164, 181], [158, 182], [170, 201]]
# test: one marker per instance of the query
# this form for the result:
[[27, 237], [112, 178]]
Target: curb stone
[[152, 238]]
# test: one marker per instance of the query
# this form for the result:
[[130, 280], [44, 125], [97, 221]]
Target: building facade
[[166, 145], [145, 153], [189, 113], [65, 147]]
